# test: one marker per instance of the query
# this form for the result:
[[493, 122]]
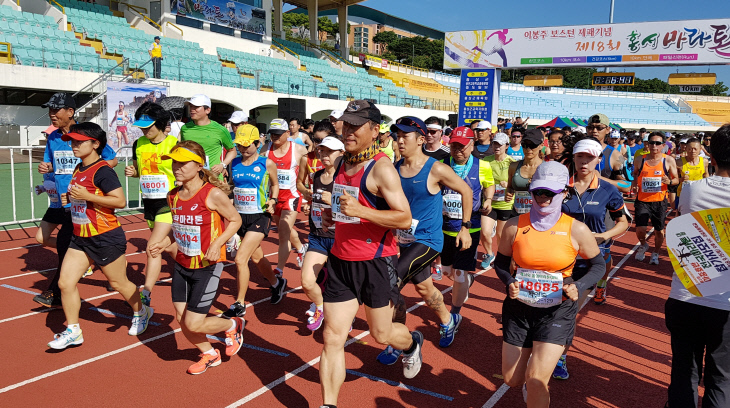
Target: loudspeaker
[[453, 119], [292, 108]]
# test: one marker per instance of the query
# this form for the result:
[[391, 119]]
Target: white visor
[[588, 146]]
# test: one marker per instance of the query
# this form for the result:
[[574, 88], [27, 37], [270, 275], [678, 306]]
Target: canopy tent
[[579, 122], [616, 126], [560, 123]]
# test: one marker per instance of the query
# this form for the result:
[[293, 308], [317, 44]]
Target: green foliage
[[417, 51], [385, 37]]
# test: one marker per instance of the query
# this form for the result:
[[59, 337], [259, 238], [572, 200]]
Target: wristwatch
[[466, 224]]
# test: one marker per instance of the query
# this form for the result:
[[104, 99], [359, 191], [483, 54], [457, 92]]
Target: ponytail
[[209, 177]]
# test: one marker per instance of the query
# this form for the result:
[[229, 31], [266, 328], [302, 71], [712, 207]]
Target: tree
[[385, 38], [298, 21]]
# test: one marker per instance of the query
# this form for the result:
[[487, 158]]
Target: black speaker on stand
[[292, 108], [453, 119]]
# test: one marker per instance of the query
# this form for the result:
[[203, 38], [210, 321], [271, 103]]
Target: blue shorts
[[322, 245]]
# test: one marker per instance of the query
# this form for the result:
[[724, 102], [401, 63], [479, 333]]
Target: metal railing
[[142, 12], [175, 26], [63, 9], [284, 47]]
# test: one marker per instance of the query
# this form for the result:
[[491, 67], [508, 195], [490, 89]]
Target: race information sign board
[[479, 95]]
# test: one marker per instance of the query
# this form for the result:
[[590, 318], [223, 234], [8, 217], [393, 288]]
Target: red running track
[[621, 354]]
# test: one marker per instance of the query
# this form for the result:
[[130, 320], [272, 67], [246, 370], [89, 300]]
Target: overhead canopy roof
[[324, 4]]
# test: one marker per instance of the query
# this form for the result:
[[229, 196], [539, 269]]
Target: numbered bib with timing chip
[[523, 202], [153, 186], [78, 212], [50, 187], [452, 206], [187, 238], [64, 162], [337, 191], [539, 288], [407, 236], [316, 214], [499, 193], [244, 199], [287, 179], [651, 185]]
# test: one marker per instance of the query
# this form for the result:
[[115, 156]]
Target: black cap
[[534, 136], [360, 111], [157, 37], [60, 100]]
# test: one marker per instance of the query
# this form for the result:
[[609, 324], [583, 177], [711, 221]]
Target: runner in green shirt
[[212, 136]]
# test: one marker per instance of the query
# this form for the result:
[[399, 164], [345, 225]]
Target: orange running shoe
[[600, 297], [234, 338], [206, 360]]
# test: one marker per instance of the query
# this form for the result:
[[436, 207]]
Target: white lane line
[[504, 387], [311, 363], [28, 273]]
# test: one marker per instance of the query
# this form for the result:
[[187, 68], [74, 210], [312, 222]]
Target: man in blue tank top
[[421, 178]]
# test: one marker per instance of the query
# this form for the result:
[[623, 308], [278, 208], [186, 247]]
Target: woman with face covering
[[538, 314]]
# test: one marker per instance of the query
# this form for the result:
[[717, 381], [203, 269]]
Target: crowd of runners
[[387, 204]]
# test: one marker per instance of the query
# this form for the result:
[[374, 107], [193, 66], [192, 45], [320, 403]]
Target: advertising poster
[[122, 101], [226, 13], [478, 95], [691, 42], [699, 244]]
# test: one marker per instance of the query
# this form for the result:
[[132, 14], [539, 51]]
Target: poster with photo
[[122, 101]]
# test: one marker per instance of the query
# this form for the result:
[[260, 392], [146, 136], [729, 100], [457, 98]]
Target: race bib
[[78, 212], [539, 288], [50, 187], [153, 186], [64, 162], [287, 179], [523, 202], [187, 238], [244, 199], [499, 193], [120, 121], [207, 163], [407, 236], [316, 214], [337, 191], [452, 206], [651, 185]]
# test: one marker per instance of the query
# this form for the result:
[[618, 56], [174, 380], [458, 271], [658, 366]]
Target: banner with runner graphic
[[122, 101], [688, 42], [699, 248], [226, 13]]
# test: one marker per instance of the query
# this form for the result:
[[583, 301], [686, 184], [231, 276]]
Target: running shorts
[[672, 188], [656, 211], [320, 245], [414, 263], [458, 259], [102, 249], [501, 215], [373, 282], [156, 210], [55, 215], [255, 223], [291, 204], [522, 324], [196, 287]]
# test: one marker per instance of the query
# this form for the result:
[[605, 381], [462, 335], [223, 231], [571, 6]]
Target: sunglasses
[[529, 145], [542, 192], [408, 122], [655, 143], [591, 127], [433, 131], [516, 136]]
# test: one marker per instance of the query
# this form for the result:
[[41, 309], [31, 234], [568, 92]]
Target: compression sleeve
[[501, 266], [595, 271]]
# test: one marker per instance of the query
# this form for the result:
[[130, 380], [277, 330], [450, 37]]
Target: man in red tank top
[[367, 204], [286, 155]]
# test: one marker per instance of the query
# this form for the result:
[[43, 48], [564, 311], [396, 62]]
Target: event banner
[[478, 95], [699, 244], [373, 61], [690, 42], [227, 13], [122, 101]]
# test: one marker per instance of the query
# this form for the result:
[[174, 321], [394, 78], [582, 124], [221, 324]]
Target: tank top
[[313, 165], [480, 154], [548, 251], [90, 219], [155, 175], [523, 199], [287, 170], [250, 185], [298, 140], [452, 203], [194, 227], [388, 150], [500, 172], [426, 223], [356, 239], [694, 173], [651, 188], [516, 154], [315, 214]]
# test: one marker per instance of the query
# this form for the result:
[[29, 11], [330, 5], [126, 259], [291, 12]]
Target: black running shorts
[[255, 223], [55, 216], [458, 259], [414, 263], [656, 211], [103, 249], [501, 215], [372, 282], [196, 287], [522, 324]]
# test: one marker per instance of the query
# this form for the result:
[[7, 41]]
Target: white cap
[[238, 117], [199, 100], [615, 134], [646, 137], [332, 143], [278, 126], [484, 125], [501, 138], [683, 141], [337, 114], [589, 146], [581, 129]]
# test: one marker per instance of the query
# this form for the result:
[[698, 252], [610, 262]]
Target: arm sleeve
[[486, 178], [106, 179], [108, 153], [595, 271], [501, 266]]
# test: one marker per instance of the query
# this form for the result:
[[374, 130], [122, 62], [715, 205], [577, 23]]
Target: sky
[[457, 15]]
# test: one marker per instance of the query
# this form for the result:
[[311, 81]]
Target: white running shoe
[[67, 338], [641, 252], [654, 259], [233, 244], [412, 362], [140, 323]]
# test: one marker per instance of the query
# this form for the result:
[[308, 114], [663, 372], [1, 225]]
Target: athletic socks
[[602, 283], [275, 283], [456, 309], [320, 307], [412, 348], [210, 352], [146, 293], [142, 311], [233, 326], [75, 328]]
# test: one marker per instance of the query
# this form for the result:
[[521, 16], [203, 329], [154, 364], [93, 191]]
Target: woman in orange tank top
[[535, 261]]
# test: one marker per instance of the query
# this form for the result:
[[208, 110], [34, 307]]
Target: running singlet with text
[[194, 227], [318, 206], [287, 169], [651, 187], [250, 186], [90, 219], [155, 175]]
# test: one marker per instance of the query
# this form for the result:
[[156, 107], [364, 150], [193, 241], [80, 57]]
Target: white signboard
[[690, 88], [542, 89], [689, 42], [604, 88]]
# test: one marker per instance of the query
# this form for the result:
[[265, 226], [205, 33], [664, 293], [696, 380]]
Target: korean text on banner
[[479, 95], [226, 13]]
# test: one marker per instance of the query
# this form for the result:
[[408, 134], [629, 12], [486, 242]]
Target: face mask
[[544, 218]]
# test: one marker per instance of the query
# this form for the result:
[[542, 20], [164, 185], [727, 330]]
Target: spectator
[[155, 52]]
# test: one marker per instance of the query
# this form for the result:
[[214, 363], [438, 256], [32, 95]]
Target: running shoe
[[654, 259], [277, 292], [47, 299], [600, 297], [487, 260], [233, 244], [145, 299], [448, 332], [561, 370], [436, 273], [300, 255], [235, 310], [641, 252], [88, 272], [206, 360], [389, 356], [234, 337], [312, 309], [412, 362], [67, 338], [315, 322], [278, 273], [140, 323]]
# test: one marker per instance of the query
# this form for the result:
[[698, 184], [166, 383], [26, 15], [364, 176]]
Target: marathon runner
[[539, 311], [501, 207], [653, 174], [515, 145], [367, 203], [312, 164], [387, 144], [286, 155], [421, 177], [209, 134], [692, 166], [434, 146], [483, 140], [199, 207], [520, 173], [155, 181], [94, 193]]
